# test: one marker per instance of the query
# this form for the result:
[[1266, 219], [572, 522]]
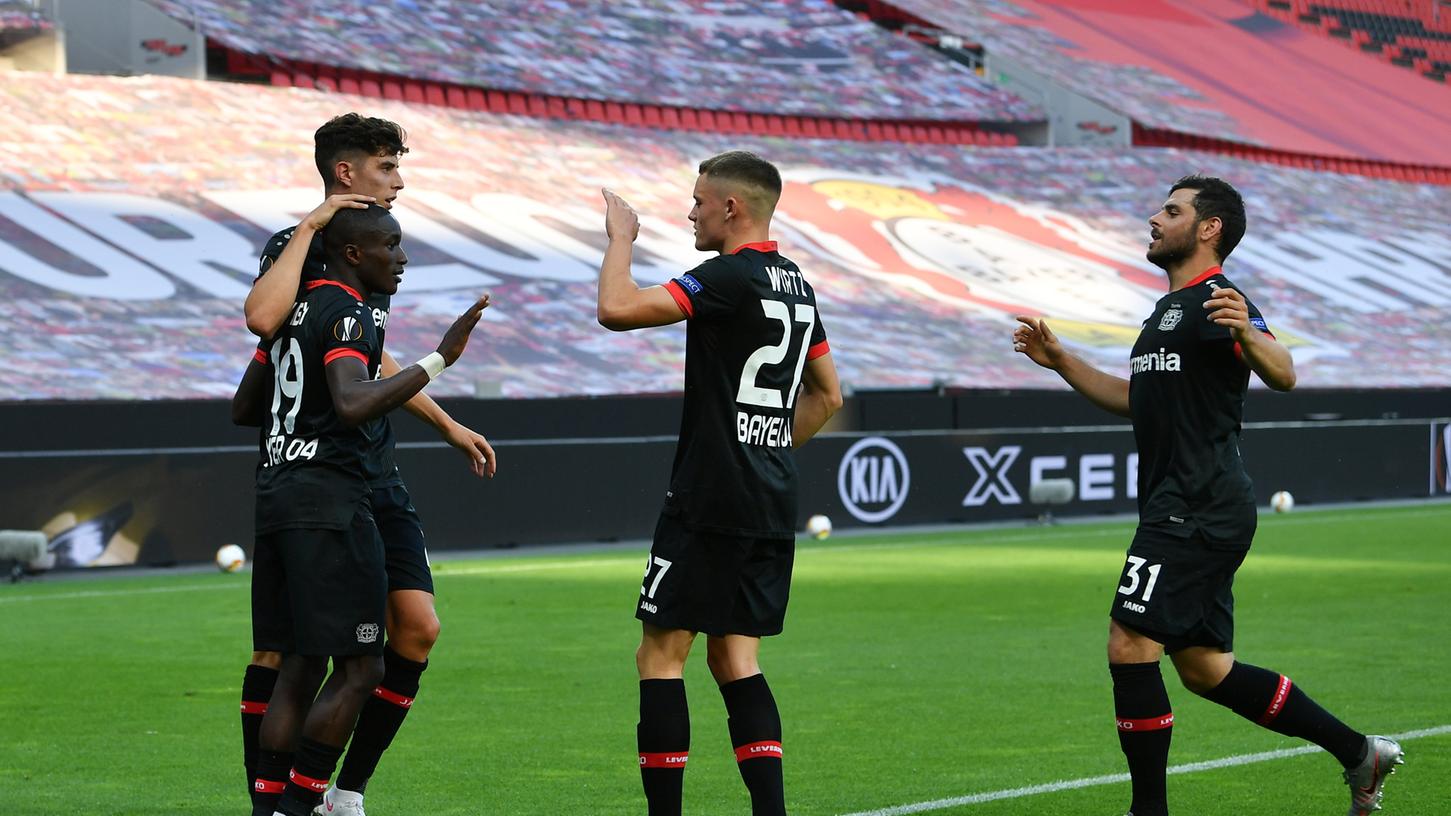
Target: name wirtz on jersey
[[785, 280], [1154, 361]]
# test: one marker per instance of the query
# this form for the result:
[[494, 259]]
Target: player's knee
[[361, 674], [726, 666], [414, 638]]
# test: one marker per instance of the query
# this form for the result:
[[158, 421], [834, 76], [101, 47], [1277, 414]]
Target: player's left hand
[[482, 460], [1227, 308]]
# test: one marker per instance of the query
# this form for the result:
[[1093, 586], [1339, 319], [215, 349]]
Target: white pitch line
[[1114, 779], [115, 593]]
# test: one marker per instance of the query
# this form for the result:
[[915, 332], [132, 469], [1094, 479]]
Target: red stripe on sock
[[769, 749], [253, 707], [315, 785], [666, 760], [268, 786], [1149, 724], [1277, 703], [393, 697]]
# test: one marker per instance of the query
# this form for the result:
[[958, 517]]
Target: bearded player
[[1185, 395]]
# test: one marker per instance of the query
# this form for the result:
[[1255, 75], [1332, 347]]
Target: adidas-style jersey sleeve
[[713, 289]]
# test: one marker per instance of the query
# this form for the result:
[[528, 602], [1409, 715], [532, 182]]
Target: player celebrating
[[1185, 394], [724, 545], [358, 158], [319, 586]]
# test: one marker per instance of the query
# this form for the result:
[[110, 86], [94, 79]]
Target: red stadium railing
[[1411, 173], [283, 73]]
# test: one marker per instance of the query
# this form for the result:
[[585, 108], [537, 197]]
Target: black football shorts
[[320, 592], [716, 584], [1177, 590], [407, 555]]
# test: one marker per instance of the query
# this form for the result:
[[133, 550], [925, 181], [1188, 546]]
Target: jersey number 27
[[749, 392]]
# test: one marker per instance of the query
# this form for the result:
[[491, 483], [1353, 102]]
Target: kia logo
[[873, 479]]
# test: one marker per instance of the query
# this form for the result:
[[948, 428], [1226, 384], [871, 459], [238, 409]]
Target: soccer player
[[358, 158], [759, 380], [319, 585], [1185, 395]]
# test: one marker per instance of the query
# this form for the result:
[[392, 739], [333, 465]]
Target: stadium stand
[[132, 209], [1247, 80], [19, 16], [1413, 34], [799, 57]]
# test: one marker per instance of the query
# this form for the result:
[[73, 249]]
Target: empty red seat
[[370, 87], [670, 118], [392, 89], [456, 97], [348, 85], [707, 120], [594, 109], [614, 111], [689, 119], [518, 104], [476, 99], [413, 92]]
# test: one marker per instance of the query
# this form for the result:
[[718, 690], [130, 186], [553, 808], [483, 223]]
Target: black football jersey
[[752, 325], [311, 472], [1186, 395], [382, 470]]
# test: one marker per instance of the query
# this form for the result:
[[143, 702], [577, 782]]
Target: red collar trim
[[313, 284], [1208, 273], [759, 246]]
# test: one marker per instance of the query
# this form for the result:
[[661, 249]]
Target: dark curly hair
[[1216, 198], [353, 135]]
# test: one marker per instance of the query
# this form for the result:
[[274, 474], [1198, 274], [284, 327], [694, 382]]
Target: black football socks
[[1271, 700], [1145, 727], [663, 736], [311, 768], [380, 719], [272, 768], [755, 727], [257, 685]]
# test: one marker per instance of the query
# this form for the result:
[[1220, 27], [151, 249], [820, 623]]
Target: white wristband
[[433, 365]]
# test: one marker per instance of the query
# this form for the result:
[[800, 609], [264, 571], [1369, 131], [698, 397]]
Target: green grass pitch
[[914, 667]]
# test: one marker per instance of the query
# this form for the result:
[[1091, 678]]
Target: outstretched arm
[[1038, 342], [358, 398], [820, 397], [623, 305], [482, 460], [275, 290]]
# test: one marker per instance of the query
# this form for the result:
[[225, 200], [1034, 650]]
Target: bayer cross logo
[[873, 479], [367, 632], [1171, 318]]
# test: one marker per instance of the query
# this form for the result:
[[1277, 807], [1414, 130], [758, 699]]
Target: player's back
[[312, 465], [753, 324]]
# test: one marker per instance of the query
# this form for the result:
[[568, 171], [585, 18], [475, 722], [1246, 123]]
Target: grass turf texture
[[914, 667]]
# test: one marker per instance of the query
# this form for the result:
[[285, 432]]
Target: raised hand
[[457, 336], [621, 221], [1038, 342]]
